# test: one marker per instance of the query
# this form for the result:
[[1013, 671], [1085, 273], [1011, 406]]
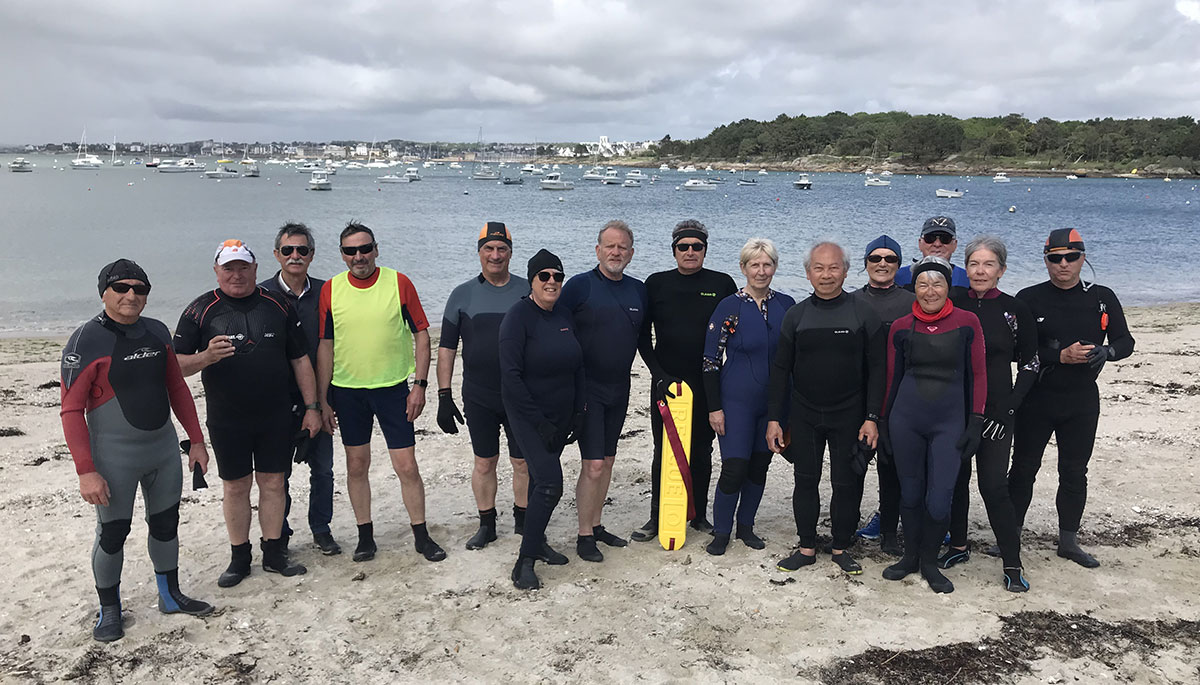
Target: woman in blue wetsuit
[[542, 387], [738, 349], [933, 414]]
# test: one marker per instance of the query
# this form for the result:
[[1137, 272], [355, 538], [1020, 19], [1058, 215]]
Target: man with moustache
[[248, 345], [939, 238], [294, 250], [680, 303], [374, 335], [473, 315], [608, 308]]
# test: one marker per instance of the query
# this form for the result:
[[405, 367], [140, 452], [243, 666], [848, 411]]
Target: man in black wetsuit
[[473, 315], [1080, 327], [248, 344], [294, 250], [681, 301], [831, 351]]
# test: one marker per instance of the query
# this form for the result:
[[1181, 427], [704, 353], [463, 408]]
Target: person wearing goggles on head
[[939, 238], [374, 335], [120, 382], [881, 260], [294, 250], [473, 315], [543, 386], [680, 303], [1080, 327], [248, 346]]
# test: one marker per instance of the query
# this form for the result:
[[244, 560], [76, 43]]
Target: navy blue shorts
[[357, 409], [263, 445], [484, 421], [602, 424]]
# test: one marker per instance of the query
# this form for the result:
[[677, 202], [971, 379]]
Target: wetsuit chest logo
[[842, 331], [704, 294], [71, 360], [143, 353]]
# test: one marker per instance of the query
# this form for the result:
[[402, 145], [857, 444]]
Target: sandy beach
[[644, 614]]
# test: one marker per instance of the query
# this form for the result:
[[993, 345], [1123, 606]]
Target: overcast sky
[[527, 70]]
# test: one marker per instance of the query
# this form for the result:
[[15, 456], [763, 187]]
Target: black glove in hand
[[448, 416], [575, 429], [665, 386], [1098, 355], [968, 442], [301, 444], [861, 455], [885, 442], [994, 430], [548, 433]]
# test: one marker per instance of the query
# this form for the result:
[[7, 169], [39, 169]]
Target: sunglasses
[[889, 258], [287, 250], [931, 238], [361, 249], [694, 247], [138, 289], [1058, 257], [545, 276]]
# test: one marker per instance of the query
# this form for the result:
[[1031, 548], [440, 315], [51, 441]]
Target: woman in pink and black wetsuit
[[933, 414]]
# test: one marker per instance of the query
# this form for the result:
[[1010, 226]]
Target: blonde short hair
[[759, 246]]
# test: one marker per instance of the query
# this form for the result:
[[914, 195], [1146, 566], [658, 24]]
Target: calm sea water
[[60, 227]]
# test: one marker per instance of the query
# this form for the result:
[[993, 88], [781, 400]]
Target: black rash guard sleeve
[[778, 385]]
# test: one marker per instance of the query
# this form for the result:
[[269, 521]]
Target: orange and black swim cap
[[1062, 240], [494, 230]]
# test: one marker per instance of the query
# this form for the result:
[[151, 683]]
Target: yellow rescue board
[[673, 496]]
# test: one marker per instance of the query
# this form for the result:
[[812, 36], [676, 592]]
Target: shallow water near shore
[[62, 226]]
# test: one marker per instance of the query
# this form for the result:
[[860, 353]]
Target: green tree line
[[932, 137]]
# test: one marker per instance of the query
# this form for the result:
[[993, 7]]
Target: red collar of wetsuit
[[363, 283], [989, 295], [930, 318]]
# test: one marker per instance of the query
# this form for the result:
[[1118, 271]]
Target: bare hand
[[870, 432], [219, 348], [775, 441], [716, 419], [312, 422], [416, 403], [328, 418], [1076, 353], [94, 488], [198, 454]]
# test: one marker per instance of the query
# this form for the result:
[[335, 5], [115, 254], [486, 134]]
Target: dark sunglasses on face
[[889, 258], [694, 247], [286, 250], [138, 289], [361, 249], [1058, 257], [931, 238], [545, 276]]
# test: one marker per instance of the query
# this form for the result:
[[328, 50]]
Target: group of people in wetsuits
[[913, 371]]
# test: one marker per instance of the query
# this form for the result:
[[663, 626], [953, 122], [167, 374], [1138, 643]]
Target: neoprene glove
[[1098, 355], [994, 430], [548, 433], [301, 443], [448, 416], [968, 442], [861, 455], [885, 442], [575, 429], [665, 384]]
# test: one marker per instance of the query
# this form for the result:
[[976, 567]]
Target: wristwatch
[[315, 406], [421, 383]]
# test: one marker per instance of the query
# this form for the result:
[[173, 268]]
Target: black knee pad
[[113, 534], [164, 525], [759, 463], [550, 494], [733, 474]]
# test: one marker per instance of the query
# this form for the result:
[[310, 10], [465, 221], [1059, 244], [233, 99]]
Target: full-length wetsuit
[[680, 306], [890, 304], [119, 385], [738, 351], [608, 317], [542, 383], [830, 352], [1009, 335], [1065, 401], [937, 376]]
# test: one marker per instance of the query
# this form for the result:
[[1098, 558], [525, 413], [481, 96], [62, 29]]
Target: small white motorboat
[[320, 181], [635, 174], [486, 173], [251, 171], [689, 169], [873, 182], [802, 183], [21, 165], [181, 166], [553, 181], [942, 192], [1001, 177], [455, 165], [593, 174], [747, 181], [698, 184], [392, 178], [412, 174], [1072, 177], [631, 183], [664, 167], [885, 172], [611, 178], [762, 172], [222, 171]]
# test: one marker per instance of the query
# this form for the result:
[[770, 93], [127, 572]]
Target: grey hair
[[618, 225], [992, 243], [757, 246], [827, 243], [691, 223], [939, 262], [292, 228]]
